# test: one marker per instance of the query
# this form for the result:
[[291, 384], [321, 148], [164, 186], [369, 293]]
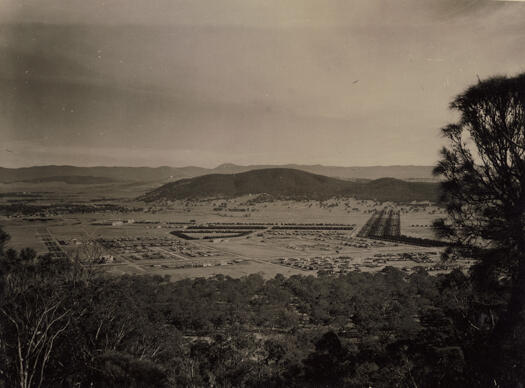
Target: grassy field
[[419, 224], [24, 236]]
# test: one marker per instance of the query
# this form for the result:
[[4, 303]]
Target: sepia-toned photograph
[[262, 193]]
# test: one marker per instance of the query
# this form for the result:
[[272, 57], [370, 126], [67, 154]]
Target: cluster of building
[[428, 259], [113, 222], [193, 264], [105, 259], [154, 248], [342, 263], [364, 243], [327, 264], [416, 257], [322, 239]]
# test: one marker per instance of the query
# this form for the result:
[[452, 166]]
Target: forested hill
[[292, 184]]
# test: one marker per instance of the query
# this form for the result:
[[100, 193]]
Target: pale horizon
[[211, 167]]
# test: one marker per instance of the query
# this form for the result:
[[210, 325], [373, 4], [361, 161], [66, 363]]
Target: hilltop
[[417, 173], [291, 184]]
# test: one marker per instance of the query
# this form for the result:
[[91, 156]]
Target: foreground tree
[[34, 333], [484, 192]]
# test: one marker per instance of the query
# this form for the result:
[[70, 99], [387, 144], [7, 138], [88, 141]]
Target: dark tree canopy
[[484, 188], [484, 166]]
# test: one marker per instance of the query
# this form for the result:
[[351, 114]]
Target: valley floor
[[233, 237]]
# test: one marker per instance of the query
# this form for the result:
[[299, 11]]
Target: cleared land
[[233, 237]]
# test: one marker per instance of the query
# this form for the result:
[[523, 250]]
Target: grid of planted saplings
[[384, 223]]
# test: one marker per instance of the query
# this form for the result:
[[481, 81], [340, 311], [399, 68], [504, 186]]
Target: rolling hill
[[166, 174], [72, 180], [291, 184], [417, 173], [141, 174]]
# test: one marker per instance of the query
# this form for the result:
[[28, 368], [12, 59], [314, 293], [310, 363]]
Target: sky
[[205, 82]]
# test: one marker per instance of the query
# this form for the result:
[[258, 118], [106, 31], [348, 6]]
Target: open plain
[[105, 226]]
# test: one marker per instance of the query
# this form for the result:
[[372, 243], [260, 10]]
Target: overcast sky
[[204, 82]]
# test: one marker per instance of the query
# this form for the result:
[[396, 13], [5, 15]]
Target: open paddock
[[418, 225], [288, 237], [25, 237]]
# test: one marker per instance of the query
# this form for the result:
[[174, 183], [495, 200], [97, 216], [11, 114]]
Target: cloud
[[229, 78], [254, 13]]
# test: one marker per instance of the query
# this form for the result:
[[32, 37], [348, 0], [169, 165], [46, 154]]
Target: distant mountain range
[[163, 174], [72, 180], [292, 184], [140, 174]]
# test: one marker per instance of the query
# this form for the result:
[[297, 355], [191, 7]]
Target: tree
[[327, 365], [34, 332], [33, 319], [484, 193]]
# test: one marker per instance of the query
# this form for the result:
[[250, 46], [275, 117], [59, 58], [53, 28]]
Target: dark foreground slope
[[291, 184]]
